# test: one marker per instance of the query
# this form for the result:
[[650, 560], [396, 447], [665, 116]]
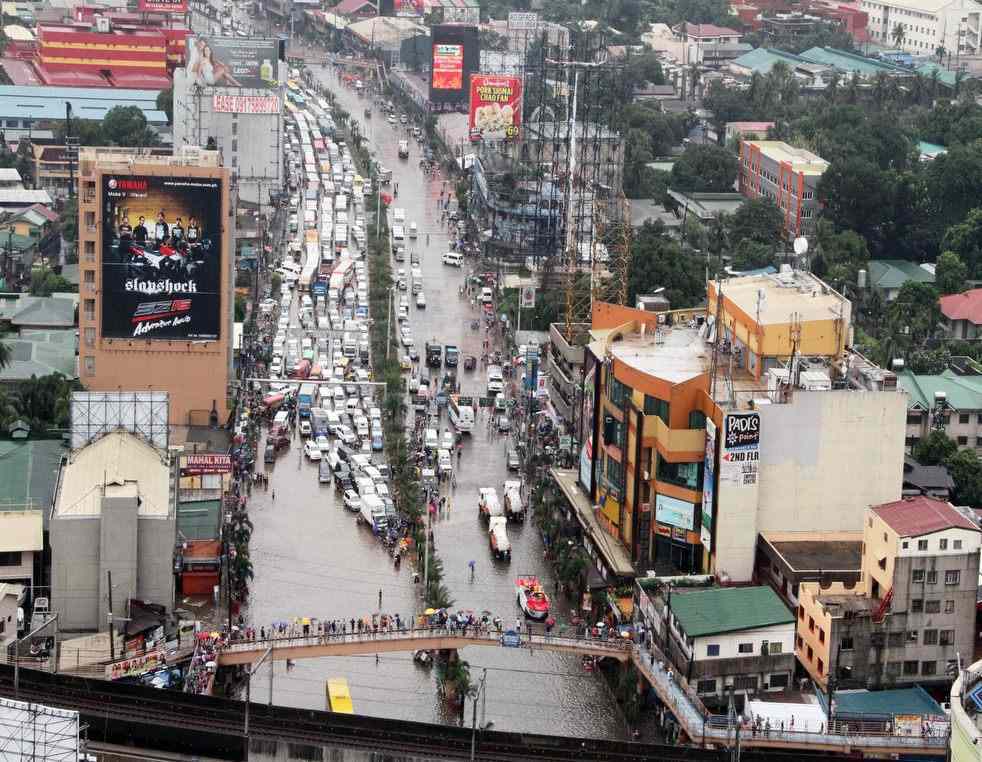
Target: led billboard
[[161, 257], [456, 55], [495, 107], [162, 6], [448, 67]]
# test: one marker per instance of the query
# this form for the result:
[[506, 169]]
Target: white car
[[351, 501], [407, 341], [421, 300], [305, 429], [447, 443], [323, 443], [346, 435], [311, 450]]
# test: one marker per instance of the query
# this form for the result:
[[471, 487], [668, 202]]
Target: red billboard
[[162, 6], [448, 67], [495, 108]]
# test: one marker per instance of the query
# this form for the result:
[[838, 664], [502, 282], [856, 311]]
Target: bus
[[338, 696], [461, 411]]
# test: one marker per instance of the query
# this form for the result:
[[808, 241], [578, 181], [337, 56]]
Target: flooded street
[[311, 558]]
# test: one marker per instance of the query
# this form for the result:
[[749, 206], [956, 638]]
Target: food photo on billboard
[[161, 257], [495, 111], [448, 66], [232, 62]]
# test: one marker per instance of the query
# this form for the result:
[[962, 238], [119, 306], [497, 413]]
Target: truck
[[434, 354], [373, 513], [461, 411], [444, 461], [305, 399], [498, 538], [451, 355], [403, 149], [514, 507], [487, 504]]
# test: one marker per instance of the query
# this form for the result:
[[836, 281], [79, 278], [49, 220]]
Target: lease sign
[[495, 107]]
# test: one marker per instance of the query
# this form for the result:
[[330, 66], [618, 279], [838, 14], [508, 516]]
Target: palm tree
[[880, 86], [898, 34], [853, 92], [694, 76], [833, 87]]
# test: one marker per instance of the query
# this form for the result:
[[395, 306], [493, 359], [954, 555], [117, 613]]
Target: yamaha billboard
[[161, 257]]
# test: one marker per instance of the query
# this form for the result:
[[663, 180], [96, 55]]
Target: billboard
[[245, 104], [675, 512], [196, 465], [448, 67], [523, 21], [161, 257], [145, 414], [740, 453], [232, 62], [587, 429], [162, 6], [495, 111], [708, 486]]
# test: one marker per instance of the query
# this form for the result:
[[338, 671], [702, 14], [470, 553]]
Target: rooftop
[[42, 312], [386, 30], [799, 159], [28, 472], [43, 102], [119, 462], [851, 62], [783, 293], [707, 30], [890, 703], [893, 273], [964, 306], [728, 609], [707, 206], [818, 551], [962, 393], [946, 77], [674, 353], [920, 515], [926, 477], [21, 531], [40, 353], [23, 196], [762, 60]]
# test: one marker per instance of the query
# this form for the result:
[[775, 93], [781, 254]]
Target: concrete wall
[[117, 554], [75, 568], [155, 555]]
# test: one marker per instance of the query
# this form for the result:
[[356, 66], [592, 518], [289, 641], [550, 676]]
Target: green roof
[[893, 273], [762, 60], [728, 609], [28, 471], [945, 76], [851, 62], [890, 703], [962, 392]]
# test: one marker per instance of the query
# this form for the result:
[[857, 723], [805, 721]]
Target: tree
[[6, 355], [898, 34], [934, 449], [838, 256], [658, 262], [758, 220], [954, 185], [637, 153], [966, 471], [240, 308], [705, 168], [45, 282], [965, 241], [753, 255], [165, 103], [950, 274], [912, 317], [127, 126], [855, 194]]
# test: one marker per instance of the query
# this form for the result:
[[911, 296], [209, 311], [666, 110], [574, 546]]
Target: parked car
[[351, 501], [514, 463], [504, 423], [311, 450]]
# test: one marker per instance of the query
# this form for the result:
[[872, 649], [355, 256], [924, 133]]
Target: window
[[688, 475], [910, 667], [90, 337], [712, 649], [89, 309], [913, 418], [932, 607], [775, 648], [949, 607], [706, 686], [962, 441], [811, 654], [821, 667], [917, 575], [930, 637], [697, 420], [911, 636], [89, 365], [745, 648], [846, 644], [811, 624], [916, 605], [10, 558], [821, 635], [778, 680], [957, 544], [942, 544], [801, 613], [922, 544], [893, 668], [929, 667], [932, 577], [618, 393], [963, 418], [946, 638], [89, 250], [895, 639], [655, 406], [800, 641], [745, 683], [952, 577]]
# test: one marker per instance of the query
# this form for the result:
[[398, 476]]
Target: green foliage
[[934, 449], [240, 308], [275, 283], [966, 471], [44, 402], [45, 282], [911, 318], [838, 256], [165, 103], [964, 239], [950, 274], [657, 261], [954, 183], [758, 220], [122, 126], [705, 168]]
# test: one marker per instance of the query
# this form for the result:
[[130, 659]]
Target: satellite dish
[[800, 245]]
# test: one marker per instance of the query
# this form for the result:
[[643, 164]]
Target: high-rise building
[[155, 261]]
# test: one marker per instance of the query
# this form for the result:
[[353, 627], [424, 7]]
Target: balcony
[[673, 440]]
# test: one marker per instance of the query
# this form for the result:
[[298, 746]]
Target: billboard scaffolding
[[37, 732], [145, 414]]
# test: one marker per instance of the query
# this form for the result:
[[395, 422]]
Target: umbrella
[[430, 612], [551, 621], [306, 620]]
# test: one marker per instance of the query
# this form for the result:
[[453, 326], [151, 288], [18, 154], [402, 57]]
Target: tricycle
[[470, 362]]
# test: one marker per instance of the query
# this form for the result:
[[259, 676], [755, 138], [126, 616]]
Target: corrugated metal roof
[[893, 273], [964, 393], [728, 609], [21, 530], [920, 515], [889, 703]]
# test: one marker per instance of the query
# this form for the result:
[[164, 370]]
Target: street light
[[480, 690]]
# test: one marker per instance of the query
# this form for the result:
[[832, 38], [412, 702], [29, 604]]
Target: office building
[[156, 278], [786, 175], [955, 25], [913, 610]]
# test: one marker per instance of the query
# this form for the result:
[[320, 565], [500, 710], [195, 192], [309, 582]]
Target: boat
[[498, 538], [531, 597]]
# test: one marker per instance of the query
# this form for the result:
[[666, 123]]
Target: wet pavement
[[311, 558]]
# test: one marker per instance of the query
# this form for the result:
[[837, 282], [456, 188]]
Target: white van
[[431, 439], [454, 259]]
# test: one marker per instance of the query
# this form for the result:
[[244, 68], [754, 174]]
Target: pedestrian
[[274, 495], [471, 565], [380, 598], [518, 625]]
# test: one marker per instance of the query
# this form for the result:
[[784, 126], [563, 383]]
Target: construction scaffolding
[[36, 732]]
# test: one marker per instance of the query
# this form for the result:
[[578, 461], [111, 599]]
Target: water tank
[[861, 279]]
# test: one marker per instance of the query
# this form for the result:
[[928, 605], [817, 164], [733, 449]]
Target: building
[[810, 76], [933, 481], [966, 715], [853, 63], [747, 130], [54, 168], [130, 337], [913, 610], [707, 35], [41, 353], [21, 545], [355, 9], [114, 513], [887, 276], [949, 400], [11, 599], [738, 637], [962, 314], [955, 25], [564, 367], [786, 175], [706, 207], [34, 222], [786, 559]]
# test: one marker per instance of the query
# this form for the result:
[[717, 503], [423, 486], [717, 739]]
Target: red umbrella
[[551, 621], [386, 199]]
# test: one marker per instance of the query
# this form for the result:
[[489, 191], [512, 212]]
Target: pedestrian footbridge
[[433, 639]]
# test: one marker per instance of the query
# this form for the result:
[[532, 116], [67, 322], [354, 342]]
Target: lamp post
[[475, 692]]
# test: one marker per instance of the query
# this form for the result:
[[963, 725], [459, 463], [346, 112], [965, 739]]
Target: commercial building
[[564, 368], [950, 401], [962, 314], [157, 304], [786, 175], [54, 169], [955, 25], [114, 513], [913, 610], [21, 544]]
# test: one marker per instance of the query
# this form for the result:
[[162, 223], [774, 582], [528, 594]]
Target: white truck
[[488, 505], [514, 507], [498, 538], [403, 149]]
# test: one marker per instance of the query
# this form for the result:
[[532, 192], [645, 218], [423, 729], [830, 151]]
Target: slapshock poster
[[161, 257]]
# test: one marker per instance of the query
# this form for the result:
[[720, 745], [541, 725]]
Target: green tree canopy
[[165, 103], [658, 262], [705, 168], [758, 220], [950, 274], [964, 239], [935, 449]]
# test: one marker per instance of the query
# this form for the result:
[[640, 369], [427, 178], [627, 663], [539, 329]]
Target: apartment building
[[955, 25], [950, 399], [913, 610], [786, 175], [564, 366]]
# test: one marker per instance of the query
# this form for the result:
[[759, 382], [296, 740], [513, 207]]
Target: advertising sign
[[674, 512], [511, 639], [245, 104], [586, 421], [232, 62], [527, 297], [134, 666], [523, 21], [448, 67], [740, 452], [195, 465], [708, 486], [162, 6], [161, 257], [495, 107]]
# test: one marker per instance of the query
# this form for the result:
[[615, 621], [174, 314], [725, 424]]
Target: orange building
[[155, 278]]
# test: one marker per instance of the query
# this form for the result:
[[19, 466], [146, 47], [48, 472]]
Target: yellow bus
[[338, 696]]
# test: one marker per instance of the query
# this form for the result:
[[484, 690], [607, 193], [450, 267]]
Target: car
[[447, 441], [414, 257], [305, 429], [323, 443], [403, 119], [407, 342], [412, 352], [311, 450], [324, 475], [347, 436], [269, 456], [352, 501], [513, 461], [421, 301], [405, 363], [504, 423]]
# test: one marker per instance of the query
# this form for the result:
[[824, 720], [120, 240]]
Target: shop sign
[[740, 452], [523, 21], [674, 512], [678, 534], [195, 465], [511, 639], [135, 666], [708, 486], [245, 104]]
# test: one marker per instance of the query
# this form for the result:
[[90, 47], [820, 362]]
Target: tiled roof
[[893, 273], [964, 306], [728, 609], [915, 516], [347, 7]]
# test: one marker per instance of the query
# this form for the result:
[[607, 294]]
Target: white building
[[11, 598], [955, 25]]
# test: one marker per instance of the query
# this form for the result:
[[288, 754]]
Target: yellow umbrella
[[306, 620], [429, 612]]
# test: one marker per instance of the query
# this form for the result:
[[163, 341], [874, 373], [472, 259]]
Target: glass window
[[706, 686], [943, 544], [779, 681], [712, 649], [930, 637], [697, 420], [922, 544], [746, 648], [929, 667], [949, 607], [932, 577], [619, 393], [10, 558], [688, 475], [963, 418], [947, 638], [745, 683], [916, 605], [952, 577], [932, 607], [910, 667], [775, 648], [655, 406], [917, 575], [846, 644], [956, 544]]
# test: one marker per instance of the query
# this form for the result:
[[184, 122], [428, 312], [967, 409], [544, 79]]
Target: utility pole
[[481, 690], [426, 553], [70, 149], [112, 639], [249, 673], [228, 568]]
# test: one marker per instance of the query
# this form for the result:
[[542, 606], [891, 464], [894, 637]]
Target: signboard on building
[[456, 55], [674, 512], [162, 257], [448, 67], [527, 297], [232, 62], [195, 465], [145, 414], [708, 486], [739, 458], [495, 108], [586, 436], [246, 104], [162, 6], [134, 666], [522, 21]]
